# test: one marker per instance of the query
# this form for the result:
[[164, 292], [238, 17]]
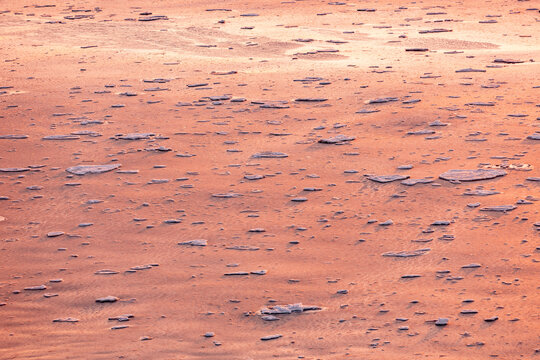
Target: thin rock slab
[[499, 208], [13, 137], [412, 182], [387, 178], [68, 320], [61, 137], [535, 136], [269, 155], [338, 139], [196, 242], [406, 254], [472, 175], [15, 169], [91, 169], [271, 337], [289, 309], [107, 299], [381, 100]]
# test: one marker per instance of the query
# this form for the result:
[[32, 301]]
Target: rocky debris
[[338, 139], [92, 169], [472, 175], [387, 178]]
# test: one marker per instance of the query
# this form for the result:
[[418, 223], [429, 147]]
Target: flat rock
[[338, 139], [13, 137], [535, 136], [472, 175], [14, 169], [500, 208], [68, 320], [61, 137], [91, 169], [480, 192], [406, 254], [412, 182], [196, 242], [269, 155], [387, 178], [107, 299], [271, 337]]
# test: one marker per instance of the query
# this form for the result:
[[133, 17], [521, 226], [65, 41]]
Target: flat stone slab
[[535, 136], [387, 178], [480, 192], [500, 208], [472, 175], [134, 136], [61, 137], [13, 137], [412, 182], [338, 139], [91, 169], [14, 169], [196, 242], [269, 155], [406, 254], [289, 309]]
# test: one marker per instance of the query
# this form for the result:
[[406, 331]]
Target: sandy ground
[[380, 262]]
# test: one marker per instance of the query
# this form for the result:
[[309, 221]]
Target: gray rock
[[338, 139], [387, 178], [107, 299], [271, 337], [500, 208], [91, 169], [269, 155], [472, 175], [480, 192], [196, 242], [412, 182], [406, 254], [35, 288], [13, 137], [15, 169], [535, 136], [441, 322], [61, 137], [68, 320], [55, 233]]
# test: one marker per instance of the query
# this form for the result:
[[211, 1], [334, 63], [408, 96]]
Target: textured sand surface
[[184, 155]]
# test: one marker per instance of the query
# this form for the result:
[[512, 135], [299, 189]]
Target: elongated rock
[[91, 169], [472, 175]]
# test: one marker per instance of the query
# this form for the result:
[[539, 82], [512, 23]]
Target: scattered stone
[[91, 169]]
